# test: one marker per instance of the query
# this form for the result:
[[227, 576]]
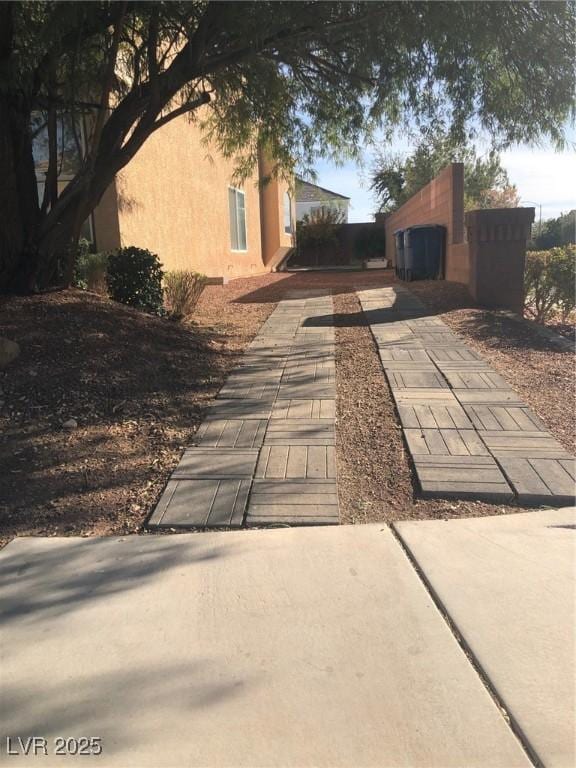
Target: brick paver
[[469, 434], [265, 454]]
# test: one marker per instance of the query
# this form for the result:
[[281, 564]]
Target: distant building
[[310, 197]]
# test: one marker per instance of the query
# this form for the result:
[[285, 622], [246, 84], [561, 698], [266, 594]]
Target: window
[[71, 146], [287, 213], [237, 219]]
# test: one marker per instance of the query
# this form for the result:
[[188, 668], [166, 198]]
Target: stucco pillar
[[497, 250]]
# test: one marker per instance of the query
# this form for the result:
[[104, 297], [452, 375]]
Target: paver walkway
[[265, 454], [469, 434]]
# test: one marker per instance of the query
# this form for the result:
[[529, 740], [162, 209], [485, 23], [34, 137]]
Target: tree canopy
[[302, 79], [555, 232], [486, 184]]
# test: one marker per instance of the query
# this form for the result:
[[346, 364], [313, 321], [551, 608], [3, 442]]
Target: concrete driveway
[[294, 647]]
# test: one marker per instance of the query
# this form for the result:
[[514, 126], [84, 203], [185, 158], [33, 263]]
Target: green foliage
[[550, 282], [555, 232], [486, 185], [324, 216], [135, 278], [317, 235], [370, 243], [182, 289], [90, 270], [299, 79], [319, 227]]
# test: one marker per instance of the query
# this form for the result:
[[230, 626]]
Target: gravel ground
[[374, 475], [541, 373], [138, 387]]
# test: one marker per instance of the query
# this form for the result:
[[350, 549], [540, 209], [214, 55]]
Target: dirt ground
[[138, 385]]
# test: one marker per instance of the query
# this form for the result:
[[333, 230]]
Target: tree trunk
[[18, 190], [18, 196]]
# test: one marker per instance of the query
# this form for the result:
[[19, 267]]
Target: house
[[177, 198], [310, 197]]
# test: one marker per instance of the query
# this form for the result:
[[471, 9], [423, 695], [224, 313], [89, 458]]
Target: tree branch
[[204, 98]]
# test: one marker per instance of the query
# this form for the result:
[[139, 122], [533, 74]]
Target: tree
[[486, 184], [555, 232], [300, 79]]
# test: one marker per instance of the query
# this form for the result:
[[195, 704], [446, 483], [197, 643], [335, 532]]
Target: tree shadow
[[89, 648], [332, 283], [127, 707], [47, 578]]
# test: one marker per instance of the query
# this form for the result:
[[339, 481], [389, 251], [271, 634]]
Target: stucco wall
[[106, 222], [439, 202], [173, 199], [275, 241]]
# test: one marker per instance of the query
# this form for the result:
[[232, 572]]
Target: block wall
[[439, 202]]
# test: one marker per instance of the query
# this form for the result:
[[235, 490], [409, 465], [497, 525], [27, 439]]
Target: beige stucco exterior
[[276, 242], [172, 198]]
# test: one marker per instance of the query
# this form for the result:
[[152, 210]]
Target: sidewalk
[[298, 647]]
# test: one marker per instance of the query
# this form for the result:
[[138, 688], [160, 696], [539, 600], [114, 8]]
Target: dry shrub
[[549, 282], [182, 289]]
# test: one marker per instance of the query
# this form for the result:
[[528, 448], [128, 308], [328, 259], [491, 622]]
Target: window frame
[[290, 229], [64, 177], [237, 191]]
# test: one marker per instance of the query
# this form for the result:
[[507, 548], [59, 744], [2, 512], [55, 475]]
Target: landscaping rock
[[9, 351]]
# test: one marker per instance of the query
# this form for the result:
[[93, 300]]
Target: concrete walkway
[[469, 434], [508, 584], [295, 648], [265, 454]]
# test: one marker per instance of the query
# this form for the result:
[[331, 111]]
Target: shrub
[[316, 234], [182, 290], [549, 282], [135, 278], [370, 243], [90, 271]]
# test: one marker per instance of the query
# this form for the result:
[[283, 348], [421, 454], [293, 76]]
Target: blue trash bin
[[424, 252], [399, 236]]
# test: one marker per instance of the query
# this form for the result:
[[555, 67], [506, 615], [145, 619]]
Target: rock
[[70, 424], [9, 351]]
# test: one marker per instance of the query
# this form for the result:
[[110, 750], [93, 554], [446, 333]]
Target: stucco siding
[[276, 241], [172, 198]]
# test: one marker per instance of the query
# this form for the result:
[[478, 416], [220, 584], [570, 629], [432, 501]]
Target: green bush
[[370, 243], [549, 282], [182, 290], [90, 270], [135, 278], [317, 235]]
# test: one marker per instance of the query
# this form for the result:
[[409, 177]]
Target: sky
[[543, 177]]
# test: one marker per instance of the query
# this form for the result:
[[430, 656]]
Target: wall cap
[[494, 224]]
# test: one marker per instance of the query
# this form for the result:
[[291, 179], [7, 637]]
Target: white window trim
[[241, 250], [290, 230]]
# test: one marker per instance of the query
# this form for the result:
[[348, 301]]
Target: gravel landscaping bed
[[540, 372], [375, 480], [137, 386]]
